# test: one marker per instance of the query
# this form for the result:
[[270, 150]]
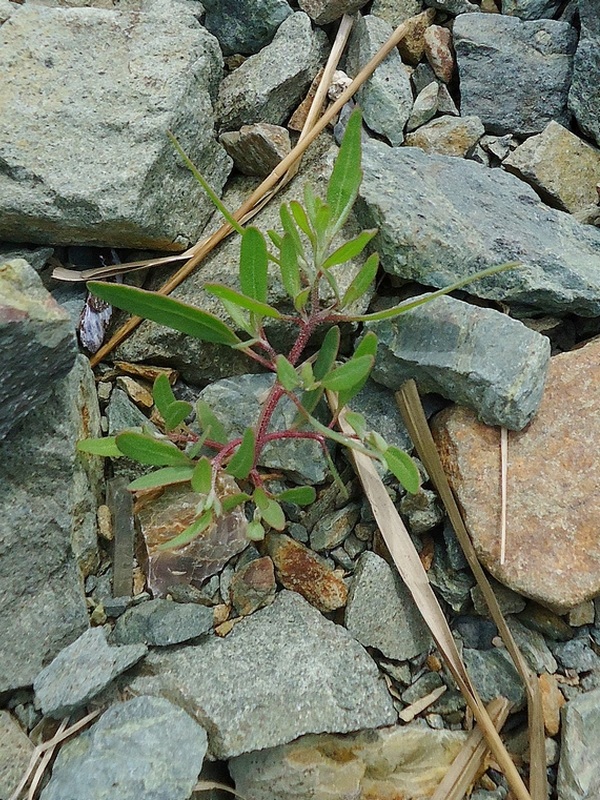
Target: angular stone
[[500, 58], [461, 352], [81, 671], [244, 26], [398, 762], [425, 106], [91, 163], [37, 343], [580, 748], [510, 602], [412, 45], [257, 149], [300, 569], [15, 751], [494, 674], [325, 11], [162, 623], [421, 510], [552, 702], [553, 457], [386, 97], [253, 586], [49, 494], [438, 50], [308, 676], [333, 528], [395, 12], [144, 747], [381, 612], [577, 655], [443, 230], [560, 166], [448, 136], [533, 647], [271, 83], [380, 410], [453, 6], [584, 96], [531, 9]]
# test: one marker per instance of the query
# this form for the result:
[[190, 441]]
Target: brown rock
[[253, 586], [448, 136], [300, 569], [15, 753], [438, 50], [552, 702], [257, 149], [553, 505], [412, 45]]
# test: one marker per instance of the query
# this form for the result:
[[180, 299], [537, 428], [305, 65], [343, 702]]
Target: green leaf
[[289, 266], [243, 300], [106, 446], [197, 527], [147, 449], [403, 467], [310, 201], [301, 219], [307, 376], [176, 413], [300, 495], [302, 298], [287, 222], [346, 176], [357, 422], [254, 261], [162, 477], [243, 459], [322, 219], [366, 347], [350, 249], [255, 531], [327, 353], [210, 423], [163, 394], [241, 319], [202, 476], [362, 280], [165, 311], [344, 378], [286, 373], [273, 515], [309, 401], [276, 238], [233, 500]]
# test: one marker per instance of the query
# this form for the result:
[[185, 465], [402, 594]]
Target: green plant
[[307, 258]]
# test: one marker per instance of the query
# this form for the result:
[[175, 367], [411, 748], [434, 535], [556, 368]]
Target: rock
[[253, 586], [453, 6], [475, 633], [438, 50], [531, 9], [412, 44], [162, 622], [385, 98], [584, 96], [257, 149], [49, 494], [92, 164], [459, 351], [37, 343], [325, 11], [580, 748], [380, 410], [381, 613], [271, 83], [553, 457], [500, 58], [244, 26], [577, 655], [425, 106], [300, 569], [533, 647], [395, 12], [583, 614], [494, 675], [81, 671], [549, 624], [422, 511], [447, 135], [560, 166], [423, 235], [15, 751], [36, 257], [146, 747], [449, 576], [510, 602], [333, 528], [308, 675], [552, 702], [393, 762]]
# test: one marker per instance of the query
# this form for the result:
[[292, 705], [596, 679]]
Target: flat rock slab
[[37, 342], [48, 499], [144, 748], [553, 551], [500, 59], [162, 622], [460, 217], [90, 162], [282, 672], [580, 748], [475, 356]]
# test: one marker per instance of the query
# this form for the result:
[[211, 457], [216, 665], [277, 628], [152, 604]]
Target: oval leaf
[[162, 394], [362, 280], [273, 515], [243, 459], [202, 477], [162, 477], [210, 423], [401, 465], [347, 376], [350, 249], [286, 373], [106, 446], [147, 450], [255, 531], [254, 261], [243, 300], [300, 495], [166, 311], [327, 353], [176, 413]]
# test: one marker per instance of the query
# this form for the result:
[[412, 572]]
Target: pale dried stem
[[503, 491]]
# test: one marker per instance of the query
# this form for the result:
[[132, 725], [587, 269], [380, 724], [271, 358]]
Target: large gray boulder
[[584, 97]]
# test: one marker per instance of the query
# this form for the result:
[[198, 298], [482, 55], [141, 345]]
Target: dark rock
[[531, 9], [257, 149], [476, 633], [576, 654], [494, 675], [244, 26], [333, 528], [422, 511], [162, 622], [253, 586], [584, 96]]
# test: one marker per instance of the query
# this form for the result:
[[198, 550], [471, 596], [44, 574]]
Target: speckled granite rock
[[584, 96], [244, 26]]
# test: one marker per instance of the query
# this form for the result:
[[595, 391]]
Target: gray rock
[[510, 602], [531, 9], [324, 11], [37, 343], [144, 748], [475, 632], [333, 528], [500, 58], [580, 748], [49, 494], [422, 687], [452, 581], [122, 414], [17, 749], [237, 404], [422, 511], [281, 672], [381, 612], [395, 12], [162, 622], [576, 654], [257, 149], [584, 96], [461, 217], [425, 106], [453, 6], [533, 646], [36, 257], [270, 84], [91, 163], [447, 135], [494, 674], [385, 98], [244, 26], [380, 410], [463, 353], [81, 671]]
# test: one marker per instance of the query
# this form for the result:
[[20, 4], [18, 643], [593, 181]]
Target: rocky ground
[[289, 668]]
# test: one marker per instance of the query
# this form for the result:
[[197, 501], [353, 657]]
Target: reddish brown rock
[[553, 506], [300, 569], [552, 702], [438, 50], [253, 586], [412, 46]]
